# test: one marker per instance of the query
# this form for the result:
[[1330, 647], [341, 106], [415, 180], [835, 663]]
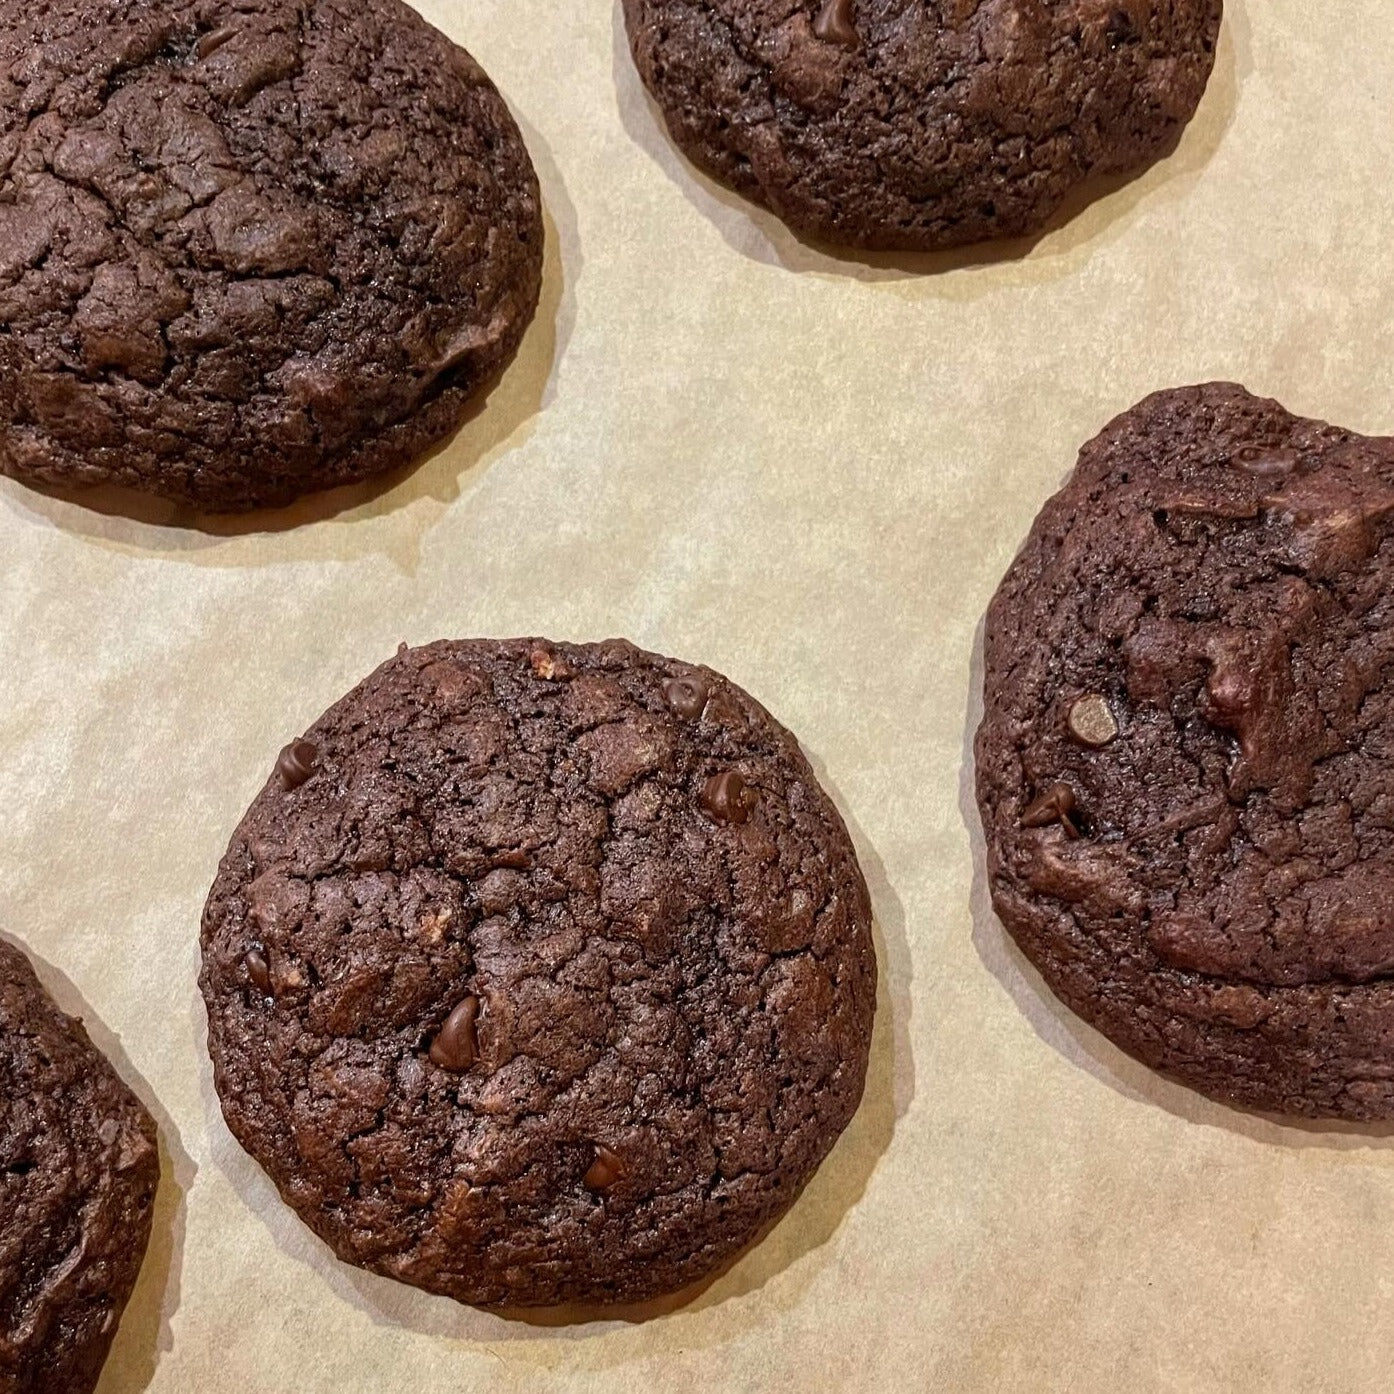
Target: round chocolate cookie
[[540, 973], [1185, 770], [249, 248], [78, 1172], [916, 126]]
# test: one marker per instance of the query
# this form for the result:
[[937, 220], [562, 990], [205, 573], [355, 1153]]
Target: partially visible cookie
[[881, 124], [249, 248], [78, 1172], [1184, 768], [540, 973]]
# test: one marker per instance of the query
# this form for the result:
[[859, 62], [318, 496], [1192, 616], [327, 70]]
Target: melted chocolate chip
[[605, 1170], [210, 43], [1091, 721], [457, 1046], [1266, 461], [728, 798], [296, 763], [1056, 805], [686, 697], [258, 970], [835, 25]]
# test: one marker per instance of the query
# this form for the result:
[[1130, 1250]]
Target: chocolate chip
[[457, 1046], [1266, 461], [1056, 805], [835, 25], [728, 798], [258, 970], [210, 43], [605, 1170], [686, 697], [296, 763], [1091, 721]]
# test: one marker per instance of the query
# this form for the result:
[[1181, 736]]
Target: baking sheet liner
[[809, 471]]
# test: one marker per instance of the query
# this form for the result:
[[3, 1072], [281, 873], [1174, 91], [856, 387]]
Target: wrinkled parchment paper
[[809, 472]]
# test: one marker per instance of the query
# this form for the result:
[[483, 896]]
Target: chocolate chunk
[[258, 970], [457, 1046], [605, 1170], [686, 697], [1091, 720], [1056, 805], [728, 798], [297, 763], [835, 24]]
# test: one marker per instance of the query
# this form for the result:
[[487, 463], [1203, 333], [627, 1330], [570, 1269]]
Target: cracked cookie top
[[1184, 766], [540, 972], [921, 124], [78, 1172], [249, 248]]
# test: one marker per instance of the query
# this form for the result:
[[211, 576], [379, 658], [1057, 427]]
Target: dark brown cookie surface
[[916, 126], [1184, 768], [78, 1172], [249, 249], [540, 973]]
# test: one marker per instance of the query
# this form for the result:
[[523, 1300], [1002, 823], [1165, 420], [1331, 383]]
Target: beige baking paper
[[810, 473]]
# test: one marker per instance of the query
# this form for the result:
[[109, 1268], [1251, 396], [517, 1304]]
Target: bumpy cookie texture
[[78, 1172], [249, 248], [921, 124], [1185, 769], [548, 978]]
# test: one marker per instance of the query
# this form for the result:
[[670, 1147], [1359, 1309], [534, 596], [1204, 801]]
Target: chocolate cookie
[[78, 1171], [249, 248], [540, 973], [882, 124], [1184, 769]]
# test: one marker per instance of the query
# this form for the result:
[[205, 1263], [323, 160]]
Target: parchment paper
[[809, 472]]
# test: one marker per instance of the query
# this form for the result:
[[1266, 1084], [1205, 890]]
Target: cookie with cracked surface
[[1184, 764], [249, 248], [883, 124], [540, 973], [78, 1172]]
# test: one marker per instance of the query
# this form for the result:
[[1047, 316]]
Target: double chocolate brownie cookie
[[249, 248], [1186, 766], [921, 124], [540, 973], [78, 1171]]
